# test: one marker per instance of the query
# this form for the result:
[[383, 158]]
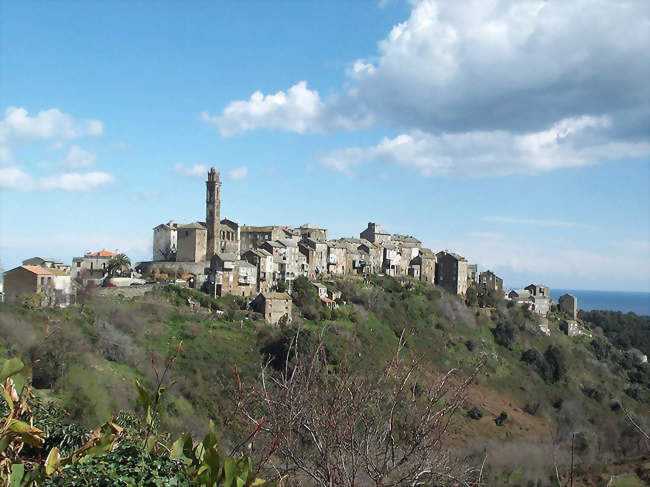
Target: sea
[[636, 302]]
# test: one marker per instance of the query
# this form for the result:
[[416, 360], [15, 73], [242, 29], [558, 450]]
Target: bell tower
[[212, 212]]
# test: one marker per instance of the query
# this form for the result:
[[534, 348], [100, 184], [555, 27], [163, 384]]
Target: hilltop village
[[220, 256]]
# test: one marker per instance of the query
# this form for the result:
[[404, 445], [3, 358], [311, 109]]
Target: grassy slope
[[93, 354]]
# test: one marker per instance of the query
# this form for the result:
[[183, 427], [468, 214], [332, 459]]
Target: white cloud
[[239, 173], [47, 124], [299, 109], [477, 65], [19, 127], [78, 157], [570, 142], [196, 171], [528, 221], [73, 181], [480, 88], [14, 178]]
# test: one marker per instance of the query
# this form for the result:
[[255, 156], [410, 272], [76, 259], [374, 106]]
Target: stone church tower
[[212, 212]]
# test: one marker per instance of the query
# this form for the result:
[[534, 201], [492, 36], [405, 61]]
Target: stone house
[[472, 274], [428, 262], [314, 232], [290, 265], [263, 261], [315, 253], [408, 248], [321, 289], [415, 269], [285, 258], [391, 260], [273, 306], [27, 280], [229, 275], [165, 241], [246, 276], [48, 263], [336, 258], [229, 237], [355, 260], [405, 241], [573, 328], [539, 290], [540, 304], [519, 295], [491, 281], [451, 272], [192, 243], [328, 303], [375, 234], [252, 237], [568, 304], [374, 254], [333, 294], [92, 266], [423, 266]]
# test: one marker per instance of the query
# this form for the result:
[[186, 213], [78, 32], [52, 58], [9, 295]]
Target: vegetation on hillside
[[533, 393]]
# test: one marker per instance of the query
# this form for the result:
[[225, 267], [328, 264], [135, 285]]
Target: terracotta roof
[[328, 300], [37, 270], [101, 253]]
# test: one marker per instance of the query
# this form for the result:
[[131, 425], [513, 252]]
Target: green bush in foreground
[[109, 456]]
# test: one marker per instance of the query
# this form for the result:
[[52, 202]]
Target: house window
[[78, 264]]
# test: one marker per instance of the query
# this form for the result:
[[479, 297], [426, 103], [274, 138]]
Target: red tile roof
[[101, 253], [37, 270]]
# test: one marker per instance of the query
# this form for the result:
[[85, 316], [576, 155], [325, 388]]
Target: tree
[[556, 362], [118, 264], [343, 428], [505, 333]]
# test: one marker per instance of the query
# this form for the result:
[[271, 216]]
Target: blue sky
[[515, 133]]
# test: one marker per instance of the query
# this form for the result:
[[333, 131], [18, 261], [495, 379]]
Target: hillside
[[549, 387]]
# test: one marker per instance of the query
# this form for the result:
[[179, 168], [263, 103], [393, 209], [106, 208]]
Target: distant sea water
[[636, 302]]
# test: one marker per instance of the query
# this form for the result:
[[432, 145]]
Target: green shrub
[[501, 418], [475, 413], [127, 465]]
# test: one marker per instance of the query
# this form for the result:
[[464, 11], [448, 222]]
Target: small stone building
[[165, 241], [48, 263], [375, 234], [273, 306], [538, 290], [540, 304], [252, 237], [321, 289], [92, 266], [491, 281], [315, 252], [451, 272], [229, 237], [26, 280], [192, 242], [568, 304], [263, 262], [309, 230]]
